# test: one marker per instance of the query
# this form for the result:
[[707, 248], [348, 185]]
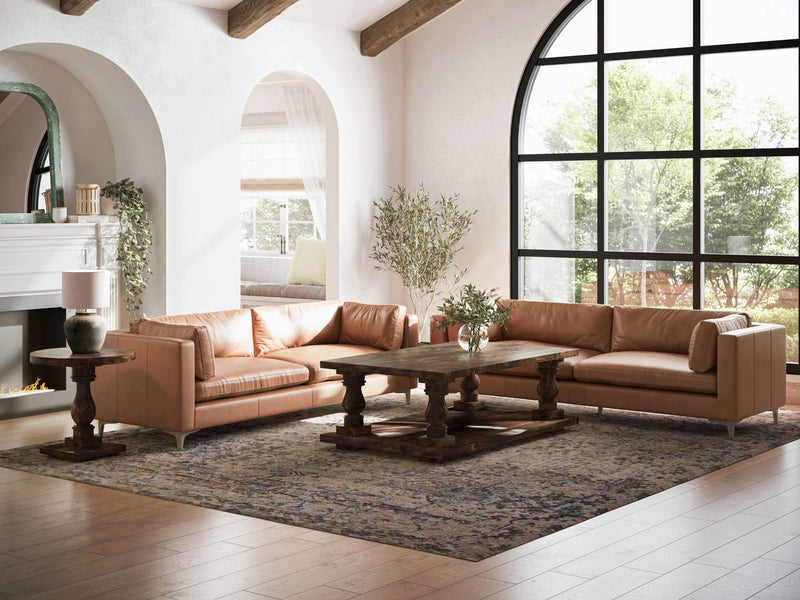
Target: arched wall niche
[[108, 129], [332, 229]]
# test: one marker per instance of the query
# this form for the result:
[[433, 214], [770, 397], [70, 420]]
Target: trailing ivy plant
[[133, 250], [418, 239]]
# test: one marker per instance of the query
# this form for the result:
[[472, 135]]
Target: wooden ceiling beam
[[249, 16], [76, 7], [399, 23]]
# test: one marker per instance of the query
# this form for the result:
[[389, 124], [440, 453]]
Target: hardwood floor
[[731, 534]]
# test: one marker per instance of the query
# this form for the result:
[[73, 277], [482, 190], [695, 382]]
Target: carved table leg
[[436, 415], [83, 410], [353, 404], [469, 394], [548, 390]]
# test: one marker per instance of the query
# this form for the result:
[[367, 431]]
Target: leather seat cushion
[[310, 357], [659, 370], [239, 376], [376, 325], [565, 368]]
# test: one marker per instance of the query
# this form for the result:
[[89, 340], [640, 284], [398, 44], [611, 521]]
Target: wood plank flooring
[[731, 534]]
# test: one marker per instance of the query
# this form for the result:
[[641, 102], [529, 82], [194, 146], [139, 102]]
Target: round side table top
[[63, 357]]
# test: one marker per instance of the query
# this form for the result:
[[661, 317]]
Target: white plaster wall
[[196, 80], [22, 127], [462, 75]]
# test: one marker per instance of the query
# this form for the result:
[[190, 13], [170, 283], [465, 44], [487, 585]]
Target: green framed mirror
[[54, 143]]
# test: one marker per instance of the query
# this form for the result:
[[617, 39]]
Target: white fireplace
[[32, 257]]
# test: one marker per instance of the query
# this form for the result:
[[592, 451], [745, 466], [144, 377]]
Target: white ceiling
[[355, 15]]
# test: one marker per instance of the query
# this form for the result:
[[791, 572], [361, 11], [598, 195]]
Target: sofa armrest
[[751, 370], [410, 332], [438, 336], [157, 389]]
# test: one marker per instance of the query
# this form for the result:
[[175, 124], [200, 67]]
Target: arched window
[[654, 158]]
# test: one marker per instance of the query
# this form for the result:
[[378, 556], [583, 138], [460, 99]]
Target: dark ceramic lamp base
[[85, 332]]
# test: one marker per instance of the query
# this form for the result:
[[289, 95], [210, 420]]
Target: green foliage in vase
[[135, 239], [474, 307], [418, 239]]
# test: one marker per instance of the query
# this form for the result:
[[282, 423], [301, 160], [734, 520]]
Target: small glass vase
[[473, 340]]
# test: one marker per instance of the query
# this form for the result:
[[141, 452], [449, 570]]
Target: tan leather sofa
[[695, 363], [201, 370]]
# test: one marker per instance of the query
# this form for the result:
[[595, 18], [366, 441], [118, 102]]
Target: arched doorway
[[289, 192]]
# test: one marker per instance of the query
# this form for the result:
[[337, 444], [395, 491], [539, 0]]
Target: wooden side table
[[83, 445]]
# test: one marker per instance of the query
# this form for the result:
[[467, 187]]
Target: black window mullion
[[602, 246], [697, 162]]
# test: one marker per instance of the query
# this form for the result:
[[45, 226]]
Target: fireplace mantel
[[32, 257]]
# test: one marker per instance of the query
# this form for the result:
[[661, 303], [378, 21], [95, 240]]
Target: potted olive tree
[[135, 239], [418, 239]]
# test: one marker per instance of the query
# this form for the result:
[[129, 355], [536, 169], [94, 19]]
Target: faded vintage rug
[[275, 468]]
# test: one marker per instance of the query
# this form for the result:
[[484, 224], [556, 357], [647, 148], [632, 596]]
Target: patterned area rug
[[275, 468]]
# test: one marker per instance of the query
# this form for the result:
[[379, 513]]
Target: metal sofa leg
[[775, 416], [101, 425], [408, 399], [599, 410], [180, 436], [730, 425]]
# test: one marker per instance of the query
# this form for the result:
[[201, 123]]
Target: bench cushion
[[239, 376], [310, 357], [646, 369]]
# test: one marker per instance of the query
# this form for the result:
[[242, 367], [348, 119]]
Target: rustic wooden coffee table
[[466, 428]]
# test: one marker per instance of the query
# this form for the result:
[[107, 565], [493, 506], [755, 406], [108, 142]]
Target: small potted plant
[[474, 309]]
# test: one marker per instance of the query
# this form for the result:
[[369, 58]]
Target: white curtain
[[308, 130]]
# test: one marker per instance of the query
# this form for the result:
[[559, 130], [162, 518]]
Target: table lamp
[[85, 291]]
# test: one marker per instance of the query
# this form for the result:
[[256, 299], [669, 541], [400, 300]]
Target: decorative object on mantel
[[24, 218], [87, 199], [91, 219], [85, 291], [418, 240], [474, 309], [59, 214], [135, 239], [48, 203]]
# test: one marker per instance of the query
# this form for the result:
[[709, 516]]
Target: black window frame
[[39, 169], [697, 154]]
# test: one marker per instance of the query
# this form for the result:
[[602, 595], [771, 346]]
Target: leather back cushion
[[581, 325], [203, 347], [231, 330], [657, 329], [293, 325], [375, 325], [703, 343]]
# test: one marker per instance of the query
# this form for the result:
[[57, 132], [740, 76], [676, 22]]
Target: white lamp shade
[[85, 289]]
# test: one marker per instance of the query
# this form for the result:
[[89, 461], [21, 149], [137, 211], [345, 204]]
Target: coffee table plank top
[[445, 362]]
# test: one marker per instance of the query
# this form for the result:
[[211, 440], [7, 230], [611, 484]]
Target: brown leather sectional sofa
[[695, 363], [201, 370]]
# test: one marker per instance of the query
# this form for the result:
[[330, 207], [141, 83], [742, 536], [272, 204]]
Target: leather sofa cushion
[[657, 329], [376, 325], [310, 357], [203, 348], [565, 368], [239, 376], [645, 369], [580, 325], [231, 330], [703, 343], [293, 325]]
